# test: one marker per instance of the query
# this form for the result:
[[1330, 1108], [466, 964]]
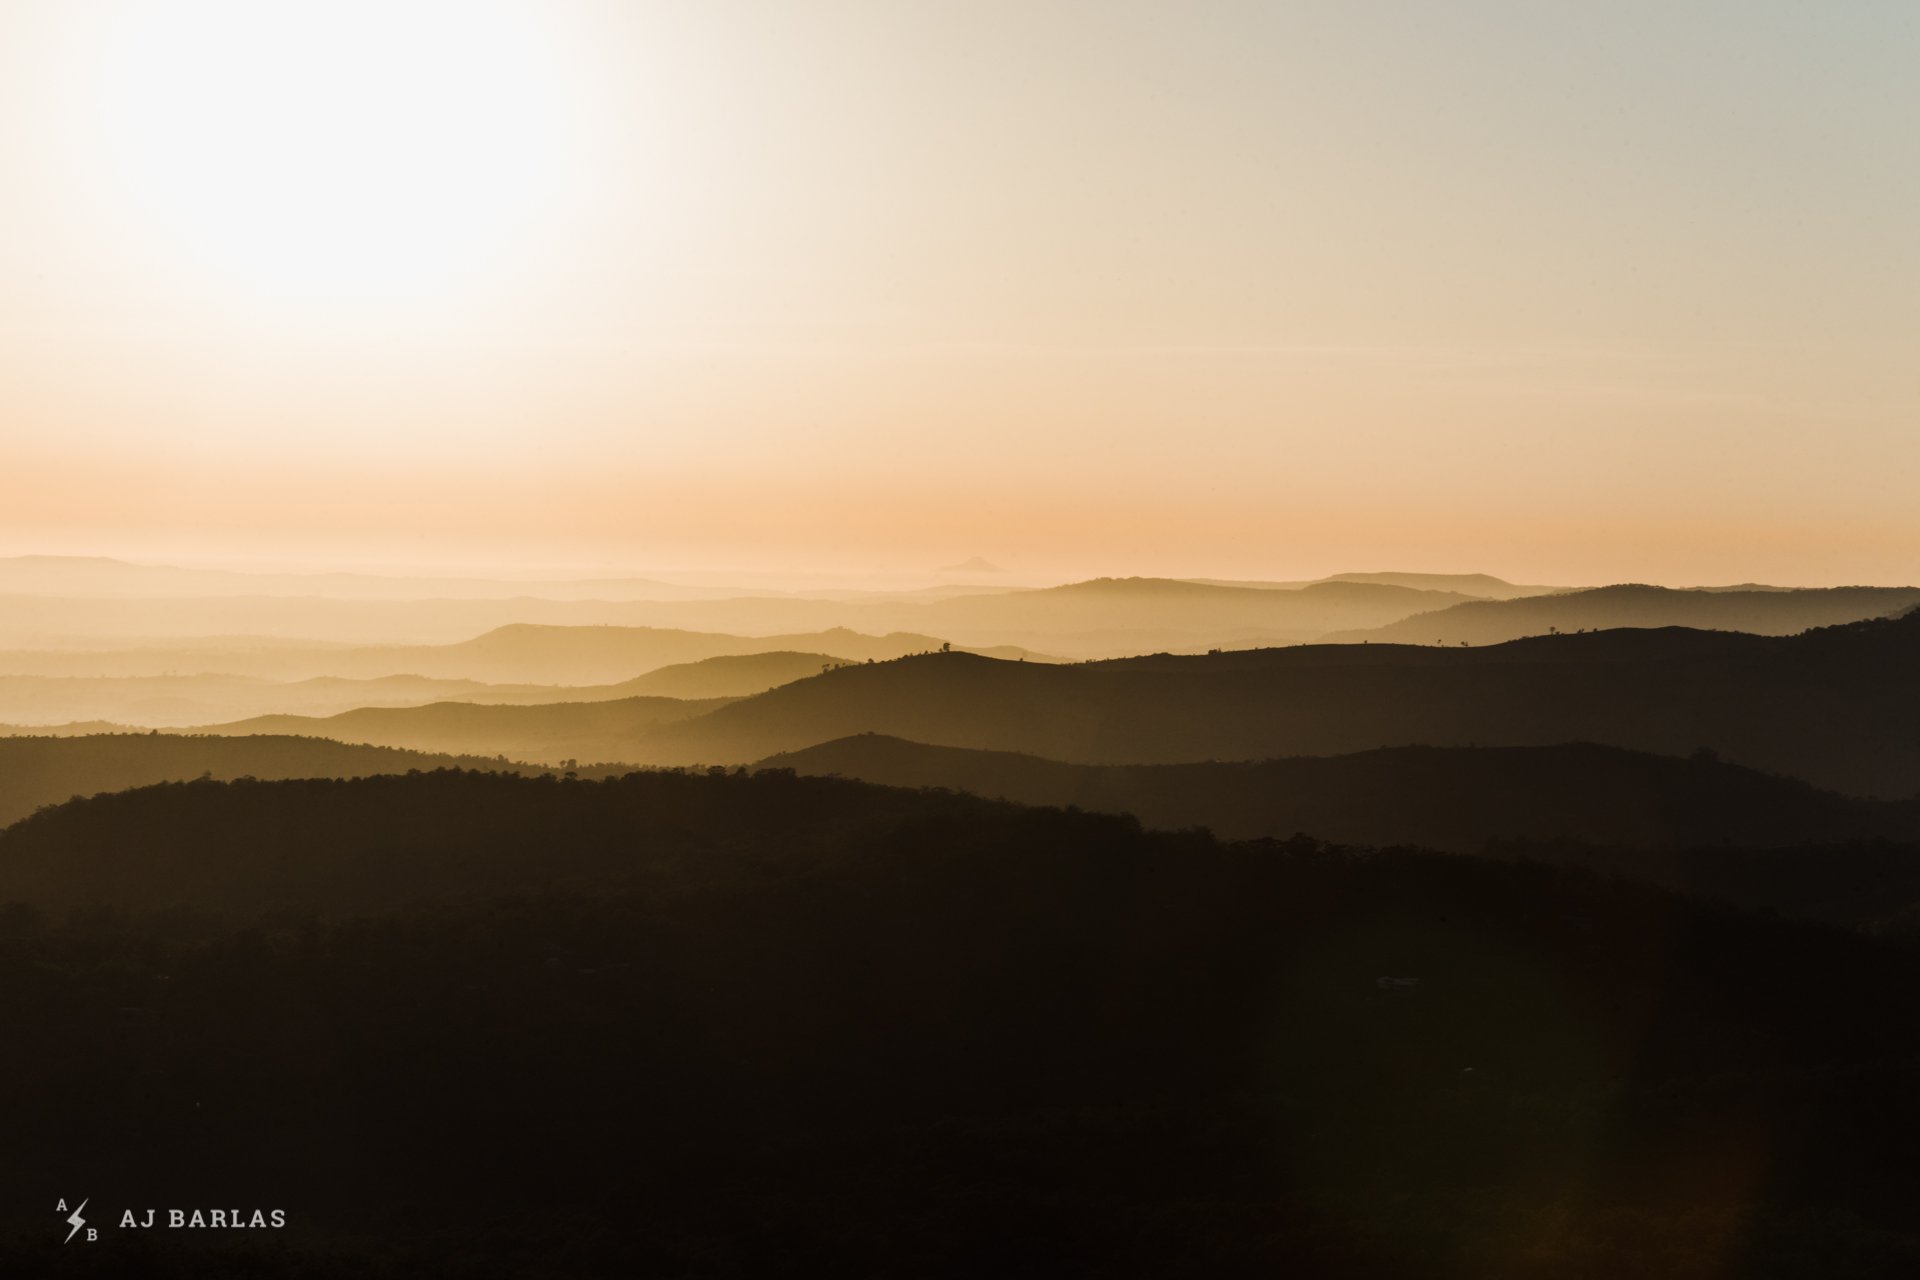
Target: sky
[[1565, 293]]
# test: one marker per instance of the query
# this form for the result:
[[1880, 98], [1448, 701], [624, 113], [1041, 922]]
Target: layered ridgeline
[[48, 603], [508, 655], [1110, 617], [1839, 707], [35, 772], [179, 701], [812, 1025], [1769, 611], [1101, 618], [552, 732], [55, 600]]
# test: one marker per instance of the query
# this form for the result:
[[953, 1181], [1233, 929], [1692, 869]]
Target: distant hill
[[51, 605], [597, 655], [1770, 611], [1478, 585], [181, 701], [43, 771], [973, 564], [1471, 584], [174, 701], [547, 733], [727, 676], [31, 622], [1453, 798], [1104, 617], [518, 654], [1115, 616], [1838, 707]]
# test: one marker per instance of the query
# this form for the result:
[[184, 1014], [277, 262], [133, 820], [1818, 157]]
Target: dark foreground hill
[[1838, 707], [1769, 611], [457, 1024], [37, 771]]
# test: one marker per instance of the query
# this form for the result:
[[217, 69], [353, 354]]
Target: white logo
[[77, 1221], [176, 1219]]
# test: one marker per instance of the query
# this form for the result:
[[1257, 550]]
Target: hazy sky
[[1564, 292]]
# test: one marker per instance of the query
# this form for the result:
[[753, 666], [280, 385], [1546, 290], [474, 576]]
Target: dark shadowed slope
[[783, 1026], [549, 733], [1458, 798], [1839, 707], [44, 771], [1769, 611], [1698, 825]]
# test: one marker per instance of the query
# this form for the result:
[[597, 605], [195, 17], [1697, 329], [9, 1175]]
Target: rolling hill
[[1770, 611], [1452, 798], [726, 676], [547, 733]]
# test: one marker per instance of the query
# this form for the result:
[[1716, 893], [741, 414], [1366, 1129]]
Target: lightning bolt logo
[[77, 1221]]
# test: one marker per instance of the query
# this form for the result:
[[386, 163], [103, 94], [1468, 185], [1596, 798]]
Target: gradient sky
[[1568, 293]]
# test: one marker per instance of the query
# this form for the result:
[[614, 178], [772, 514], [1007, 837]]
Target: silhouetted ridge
[[372, 843], [1839, 708], [799, 1021]]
